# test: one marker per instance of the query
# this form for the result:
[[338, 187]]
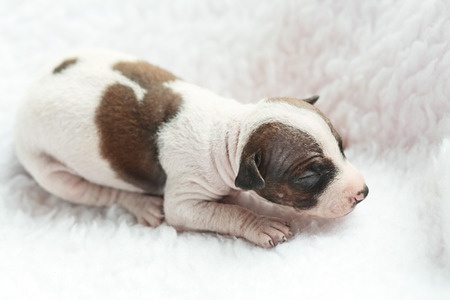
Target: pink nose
[[362, 194]]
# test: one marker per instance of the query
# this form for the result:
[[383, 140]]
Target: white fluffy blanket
[[382, 69]]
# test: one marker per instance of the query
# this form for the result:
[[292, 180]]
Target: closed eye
[[307, 174], [308, 179]]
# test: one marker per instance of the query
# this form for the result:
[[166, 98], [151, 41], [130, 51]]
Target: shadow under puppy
[[102, 128]]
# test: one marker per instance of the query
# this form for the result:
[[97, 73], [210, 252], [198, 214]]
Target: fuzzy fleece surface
[[382, 69]]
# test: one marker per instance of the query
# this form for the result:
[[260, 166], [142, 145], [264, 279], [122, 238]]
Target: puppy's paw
[[268, 232], [148, 210], [152, 212]]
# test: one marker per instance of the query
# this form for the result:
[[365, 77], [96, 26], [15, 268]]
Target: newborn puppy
[[102, 128]]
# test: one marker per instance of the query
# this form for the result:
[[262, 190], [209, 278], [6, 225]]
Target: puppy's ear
[[248, 177], [311, 100]]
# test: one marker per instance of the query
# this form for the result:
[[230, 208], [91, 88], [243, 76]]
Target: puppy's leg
[[260, 206], [226, 219], [60, 181]]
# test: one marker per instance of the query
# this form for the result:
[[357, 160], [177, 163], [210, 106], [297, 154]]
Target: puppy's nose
[[362, 194]]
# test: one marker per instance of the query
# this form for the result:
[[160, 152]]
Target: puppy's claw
[[263, 227]]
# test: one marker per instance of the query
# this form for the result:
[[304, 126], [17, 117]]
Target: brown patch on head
[[290, 163], [305, 105], [64, 65], [128, 127]]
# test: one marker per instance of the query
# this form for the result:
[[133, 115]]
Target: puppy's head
[[294, 157]]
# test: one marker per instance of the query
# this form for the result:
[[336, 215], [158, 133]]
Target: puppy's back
[[65, 116]]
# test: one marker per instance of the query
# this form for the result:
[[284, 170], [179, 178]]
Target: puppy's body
[[102, 128]]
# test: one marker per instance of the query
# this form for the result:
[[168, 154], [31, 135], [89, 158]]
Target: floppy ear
[[311, 100], [248, 177]]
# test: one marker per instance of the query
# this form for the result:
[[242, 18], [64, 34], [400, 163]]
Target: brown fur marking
[[128, 127], [64, 65], [284, 153], [302, 104], [143, 73]]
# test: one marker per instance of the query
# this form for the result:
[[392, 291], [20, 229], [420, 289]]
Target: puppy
[[102, 128]]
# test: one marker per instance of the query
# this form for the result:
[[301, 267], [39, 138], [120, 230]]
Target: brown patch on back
[[304, 105], [128, 127], [143, 73], [64, 65]]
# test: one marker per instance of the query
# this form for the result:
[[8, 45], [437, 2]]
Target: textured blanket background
[[382, 69]]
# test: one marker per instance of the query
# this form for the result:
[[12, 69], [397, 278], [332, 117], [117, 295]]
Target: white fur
[[60, 111], [381, 69]]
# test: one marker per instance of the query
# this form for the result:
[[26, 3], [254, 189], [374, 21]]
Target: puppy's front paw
[[268, 232]]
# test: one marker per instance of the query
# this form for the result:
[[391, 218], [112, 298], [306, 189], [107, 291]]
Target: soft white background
[[382, 69]]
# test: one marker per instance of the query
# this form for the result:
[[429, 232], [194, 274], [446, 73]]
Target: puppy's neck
[[226, 153], [223, 134]]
